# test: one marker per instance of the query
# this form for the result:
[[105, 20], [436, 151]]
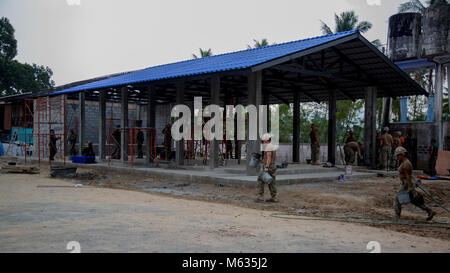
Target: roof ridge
[[254, 49]]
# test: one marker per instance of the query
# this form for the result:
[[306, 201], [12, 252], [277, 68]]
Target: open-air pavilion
[[342, 66]]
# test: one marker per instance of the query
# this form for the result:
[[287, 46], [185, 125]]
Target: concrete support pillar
[[254, 98], [332, 127], [296, 128], [151, 114], [438, 84], [387, 105], [81, 121], [214, 144], [404, 109], [124, 124], [370, 118], [102, 125], [180, 144]]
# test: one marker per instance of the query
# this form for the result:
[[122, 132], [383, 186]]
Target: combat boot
[[431, 214], [273, 200], [259, 198]]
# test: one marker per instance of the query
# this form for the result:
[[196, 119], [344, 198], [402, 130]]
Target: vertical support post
[[82, 121], [180, 144], [296, 128], [438, 84], [151, 111], [370, 118], [332, 127], [102, 125], [387, 104], [404, 109], [214, 144], [254, 97], [124, 124]]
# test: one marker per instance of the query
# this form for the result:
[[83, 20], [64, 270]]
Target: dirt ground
[[42, 214], [366, 198], [370, 197]]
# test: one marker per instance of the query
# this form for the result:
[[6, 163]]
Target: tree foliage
[[203, 53], [16, 77]]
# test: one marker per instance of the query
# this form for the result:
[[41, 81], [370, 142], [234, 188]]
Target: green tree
[[347, 21], [418, 6], [15, 77], [203, 53], [8, 44], [258, 44]]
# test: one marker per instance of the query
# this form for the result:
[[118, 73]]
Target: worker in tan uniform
[[268, 162], [315, 145], [386, 147], [409, 185]]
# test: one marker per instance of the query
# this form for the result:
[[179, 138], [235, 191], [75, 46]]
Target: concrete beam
[[214, 144], [102, 125], [370, 119], [124, 124], [81, 121], [296, 128], [151, 114], [180, 144], [255, 98]]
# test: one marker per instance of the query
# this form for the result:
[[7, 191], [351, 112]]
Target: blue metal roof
[[218, 63]]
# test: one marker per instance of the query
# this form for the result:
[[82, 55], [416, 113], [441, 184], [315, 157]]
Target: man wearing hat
[[268, 161], [409, 184]]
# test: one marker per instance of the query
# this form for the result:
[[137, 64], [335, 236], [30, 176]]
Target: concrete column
[[151, 113], [102, 124], [438, 84], [254, 97], [124, 124], [180, 144], [332, 127], [81, 121], [370, 118], [387, 105], [296, 128], [214, 144]]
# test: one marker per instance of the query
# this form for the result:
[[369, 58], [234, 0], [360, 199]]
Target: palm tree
[[258, 44], [203, 53], [418, 6], [347, 21]]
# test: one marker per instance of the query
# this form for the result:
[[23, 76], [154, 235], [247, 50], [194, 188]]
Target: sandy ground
[[41, 214]]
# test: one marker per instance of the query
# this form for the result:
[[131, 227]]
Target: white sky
[[81, 39]]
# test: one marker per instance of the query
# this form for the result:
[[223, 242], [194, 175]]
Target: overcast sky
[[81, 39]]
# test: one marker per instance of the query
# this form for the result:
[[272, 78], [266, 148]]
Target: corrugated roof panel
[[218, 63]]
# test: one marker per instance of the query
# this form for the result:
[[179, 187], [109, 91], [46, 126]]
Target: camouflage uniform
[[272, 171], [315, 152], [272, 186], [403, 188], [349, 155]]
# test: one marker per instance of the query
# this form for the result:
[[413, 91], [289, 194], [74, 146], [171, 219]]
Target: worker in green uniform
[[268, 162]]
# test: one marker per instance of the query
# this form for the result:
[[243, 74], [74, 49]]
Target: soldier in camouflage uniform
[[409, 184], [315, 145], [269, 166]]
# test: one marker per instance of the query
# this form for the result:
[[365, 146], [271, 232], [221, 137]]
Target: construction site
[[101, 152]]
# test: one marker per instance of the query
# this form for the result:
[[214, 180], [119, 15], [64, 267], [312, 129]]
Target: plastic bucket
[[254, 159], [266, 177], [403, 197]]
